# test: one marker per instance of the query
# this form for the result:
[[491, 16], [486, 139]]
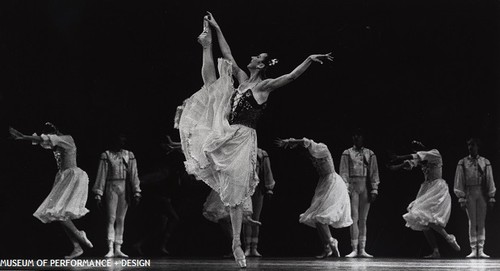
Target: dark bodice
[[245, 110]]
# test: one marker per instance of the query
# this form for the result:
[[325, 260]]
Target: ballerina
[[217, 125], [432, 208], [330, 205], [66, 201]]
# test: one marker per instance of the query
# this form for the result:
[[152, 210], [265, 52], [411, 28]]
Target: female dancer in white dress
[[217, 126], [330, 205], [432, 208], [66, 201]]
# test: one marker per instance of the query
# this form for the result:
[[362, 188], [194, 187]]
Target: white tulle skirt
[[330, 204], [223, 156], [67, 199], [432, 205]]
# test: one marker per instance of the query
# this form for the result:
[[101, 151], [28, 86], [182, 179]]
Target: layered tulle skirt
[[67, 199], [223, 156], [432, 205], [330, 204]]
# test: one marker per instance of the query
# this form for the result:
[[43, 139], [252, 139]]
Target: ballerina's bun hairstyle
[[418, 146], [50, 128], [268, 62]]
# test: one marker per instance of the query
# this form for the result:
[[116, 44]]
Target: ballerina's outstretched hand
[[320, 58]]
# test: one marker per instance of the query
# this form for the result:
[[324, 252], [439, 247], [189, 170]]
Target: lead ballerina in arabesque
[[217, 125]]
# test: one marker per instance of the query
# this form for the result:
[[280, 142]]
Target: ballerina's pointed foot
[[86, 241], [334, 246], [453, 242], [239, 257], [75, 253]]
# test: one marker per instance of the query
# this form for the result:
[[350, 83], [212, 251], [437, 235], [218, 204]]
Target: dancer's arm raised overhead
[[240, 75]]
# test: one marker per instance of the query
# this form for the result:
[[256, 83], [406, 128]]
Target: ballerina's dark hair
[[50, 128], [268, 62]]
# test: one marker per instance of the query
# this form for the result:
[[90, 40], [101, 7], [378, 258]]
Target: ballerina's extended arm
[[20, 136], [240, 75], [269, 85]]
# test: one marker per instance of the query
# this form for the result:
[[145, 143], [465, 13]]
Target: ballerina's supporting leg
[[330, 243], [236, 214], [79, 235], [77, 249], [431, 239]]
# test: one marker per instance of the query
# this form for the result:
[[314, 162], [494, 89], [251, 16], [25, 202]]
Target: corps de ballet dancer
[[359, 169], [118, 183], [265, 187], [66, 201], [218, 122], [475, 189], [431, 210], [330, 205]]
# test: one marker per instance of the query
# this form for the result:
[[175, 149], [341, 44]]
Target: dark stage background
[[403, 70]]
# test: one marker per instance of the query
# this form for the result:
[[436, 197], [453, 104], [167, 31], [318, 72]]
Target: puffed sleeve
[[490, 184], [317, 150], [374, 176], [458, 187], [63, 141], [432, 156], [102, 174], [134, 175], [344, 166]]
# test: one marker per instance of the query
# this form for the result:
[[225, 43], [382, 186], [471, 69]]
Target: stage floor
[[329, 264], [303, 264]]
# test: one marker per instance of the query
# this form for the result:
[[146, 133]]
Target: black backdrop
[[402, 70]]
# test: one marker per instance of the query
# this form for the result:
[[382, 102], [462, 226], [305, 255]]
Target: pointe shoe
[[238, 253], [75, 253], [239, 257], [205, 38], [86, 241], [453, 242], [334, 246], [434, 255], [353, 254], [363, 254], [327, 252]]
